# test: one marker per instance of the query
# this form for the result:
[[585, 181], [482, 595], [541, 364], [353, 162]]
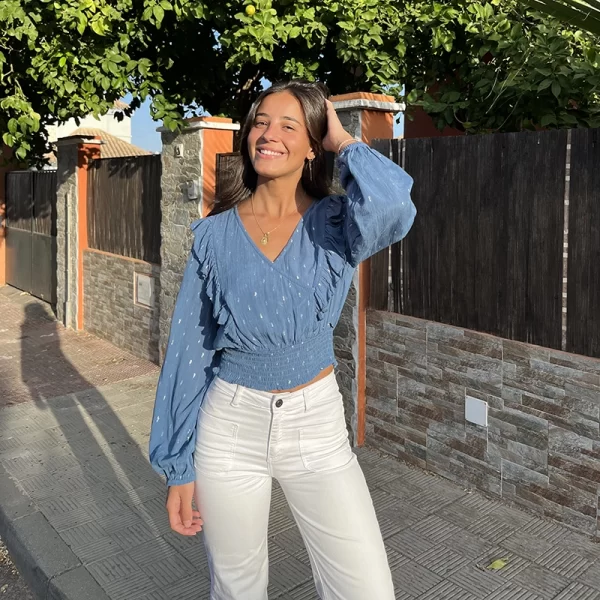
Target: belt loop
[[307, 402], [236, 396]]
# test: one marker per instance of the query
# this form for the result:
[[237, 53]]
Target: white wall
[[107, 123]]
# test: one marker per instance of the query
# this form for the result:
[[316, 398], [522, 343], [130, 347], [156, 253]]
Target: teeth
[[270, 152]]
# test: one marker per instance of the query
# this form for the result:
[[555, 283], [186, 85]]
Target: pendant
[[264, 240]]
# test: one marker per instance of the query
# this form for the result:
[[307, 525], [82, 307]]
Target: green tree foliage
[[480, 65], [584, 15], [494, 66]]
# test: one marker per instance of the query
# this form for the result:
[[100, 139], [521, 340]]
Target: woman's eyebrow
[[285, 118]]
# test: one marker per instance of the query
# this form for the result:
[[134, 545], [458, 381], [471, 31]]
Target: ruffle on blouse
[[203, 250], [332, 270]]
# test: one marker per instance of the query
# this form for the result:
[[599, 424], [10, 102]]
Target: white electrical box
[[193, 189], [144, 290], [476, 411]]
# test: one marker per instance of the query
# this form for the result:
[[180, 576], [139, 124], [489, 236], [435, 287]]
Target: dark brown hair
[[240, 180]]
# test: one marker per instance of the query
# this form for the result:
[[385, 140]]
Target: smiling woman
[[298, 112], [264, 288]]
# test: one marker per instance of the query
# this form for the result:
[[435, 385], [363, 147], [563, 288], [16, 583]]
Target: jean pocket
[[216, 440], [325, 446]]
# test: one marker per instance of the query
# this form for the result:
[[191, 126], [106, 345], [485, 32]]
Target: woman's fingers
[[335, 131], [182, 518], [186, 510], [173, 509]]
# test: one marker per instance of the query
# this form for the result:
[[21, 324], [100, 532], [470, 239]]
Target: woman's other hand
[[182, 518], [336, 134]]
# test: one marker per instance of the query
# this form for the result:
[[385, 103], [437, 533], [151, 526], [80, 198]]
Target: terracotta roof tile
[[112, 147]]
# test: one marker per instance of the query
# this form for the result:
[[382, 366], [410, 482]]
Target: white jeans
[[245, 438]]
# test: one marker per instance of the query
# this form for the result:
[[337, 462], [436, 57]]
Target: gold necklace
[[264, 240]]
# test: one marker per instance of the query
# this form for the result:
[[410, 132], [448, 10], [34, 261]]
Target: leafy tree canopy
[[476, 64], [584, 14]]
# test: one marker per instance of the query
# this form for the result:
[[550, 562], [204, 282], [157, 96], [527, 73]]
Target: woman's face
[[278, 143]]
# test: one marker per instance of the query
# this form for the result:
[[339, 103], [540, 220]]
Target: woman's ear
[[311, 155]]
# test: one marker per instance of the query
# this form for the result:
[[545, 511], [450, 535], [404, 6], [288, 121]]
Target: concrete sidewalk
[[82, 512]]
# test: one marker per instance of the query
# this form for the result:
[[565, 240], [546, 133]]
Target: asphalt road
[[12, 586]]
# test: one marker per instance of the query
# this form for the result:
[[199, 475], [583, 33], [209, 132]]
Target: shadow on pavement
[[78, 455]]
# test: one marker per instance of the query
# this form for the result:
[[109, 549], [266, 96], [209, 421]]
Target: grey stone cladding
[[110, 308], [66, 235], [541, 448], [177, 215]]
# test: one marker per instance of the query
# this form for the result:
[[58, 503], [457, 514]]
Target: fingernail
[[187, 523]]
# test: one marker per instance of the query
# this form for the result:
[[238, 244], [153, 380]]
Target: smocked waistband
[[279, 368]]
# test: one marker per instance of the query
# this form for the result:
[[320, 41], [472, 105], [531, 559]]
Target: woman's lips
[[268, 154]]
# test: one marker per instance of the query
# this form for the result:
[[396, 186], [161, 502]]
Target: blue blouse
[[264, 324]]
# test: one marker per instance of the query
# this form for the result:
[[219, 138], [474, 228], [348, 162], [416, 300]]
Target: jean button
[[279, 403]]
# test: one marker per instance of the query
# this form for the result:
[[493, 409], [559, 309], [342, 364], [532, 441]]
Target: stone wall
[[346, 333], [177, 215], [541, 448], [66, 235], [345, 341], [110, 308]]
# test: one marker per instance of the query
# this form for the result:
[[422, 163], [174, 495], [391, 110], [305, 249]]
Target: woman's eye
[[288, 128], [260, 124]]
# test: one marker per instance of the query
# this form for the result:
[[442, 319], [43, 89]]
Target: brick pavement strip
[[82, 512], [40, 359]]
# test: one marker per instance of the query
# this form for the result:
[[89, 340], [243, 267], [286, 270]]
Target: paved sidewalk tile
[[84, 509]]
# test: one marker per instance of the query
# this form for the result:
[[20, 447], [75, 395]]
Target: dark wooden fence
[[486, 249], [124, 206], [227, 164], [31, 232], [583, 271], [485, 252], [33, 201], [19, 211]]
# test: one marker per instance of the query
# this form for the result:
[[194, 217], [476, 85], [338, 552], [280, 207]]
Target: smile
[[269, 153]]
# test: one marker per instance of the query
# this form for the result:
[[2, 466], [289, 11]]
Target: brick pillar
[[366, 117], [73, 159], [188, 161]]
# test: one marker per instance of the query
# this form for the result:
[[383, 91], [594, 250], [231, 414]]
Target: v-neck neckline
[[287, 244]]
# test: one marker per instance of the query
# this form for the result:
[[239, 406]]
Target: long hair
[[241, 179]]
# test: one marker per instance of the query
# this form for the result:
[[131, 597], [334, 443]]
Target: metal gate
[[31, 232]]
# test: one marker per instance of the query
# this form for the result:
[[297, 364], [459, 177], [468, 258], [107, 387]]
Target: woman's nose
[[269, 134]]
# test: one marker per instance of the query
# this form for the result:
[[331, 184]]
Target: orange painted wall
[[3, 172], [5, 154], [86, 153], [376, 125], [362, 96], [215, 142]]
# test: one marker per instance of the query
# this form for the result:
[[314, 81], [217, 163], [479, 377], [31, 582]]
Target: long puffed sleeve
[[378, 209], [187, 370]]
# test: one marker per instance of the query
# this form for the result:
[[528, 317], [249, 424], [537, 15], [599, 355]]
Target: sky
[[143, 129], [144, 134]]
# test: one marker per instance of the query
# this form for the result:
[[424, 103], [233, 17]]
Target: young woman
[[263, 289]]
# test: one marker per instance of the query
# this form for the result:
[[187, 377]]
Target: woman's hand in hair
[[182, 518], [336, 134]]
